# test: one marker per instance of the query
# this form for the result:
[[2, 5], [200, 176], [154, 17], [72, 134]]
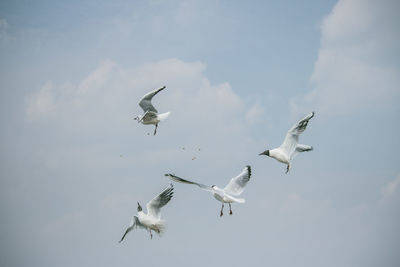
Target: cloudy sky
[[238, 74]]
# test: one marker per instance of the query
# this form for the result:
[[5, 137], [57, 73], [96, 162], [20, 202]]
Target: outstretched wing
[[135, 222], [145, 102], [236, 185], [292, 137], [301, 148], [181, 180], [154, 206]]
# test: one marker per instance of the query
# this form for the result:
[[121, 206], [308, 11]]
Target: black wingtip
[[122, 238], [171, 188], [248, 169], [169, 175]]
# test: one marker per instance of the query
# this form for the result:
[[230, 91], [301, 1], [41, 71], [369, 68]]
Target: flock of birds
[[230, 193]]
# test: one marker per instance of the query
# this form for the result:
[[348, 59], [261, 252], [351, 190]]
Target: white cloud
[[98, 77], [255, 114], [49, 100], [389, 189], [43, 103], [356, 67], [102, 105], [111, 86]]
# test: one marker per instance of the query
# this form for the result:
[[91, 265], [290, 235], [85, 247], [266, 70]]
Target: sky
[[238, 74]]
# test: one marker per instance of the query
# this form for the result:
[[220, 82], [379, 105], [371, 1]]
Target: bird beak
[[266, 153]]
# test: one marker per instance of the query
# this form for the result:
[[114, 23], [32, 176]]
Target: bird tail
[[163, 116], [237, 200], [240, 200], [159, 227]]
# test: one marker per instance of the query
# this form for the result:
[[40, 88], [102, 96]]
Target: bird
[[152, 220], [290, 146], [150, 115], [229, 194]]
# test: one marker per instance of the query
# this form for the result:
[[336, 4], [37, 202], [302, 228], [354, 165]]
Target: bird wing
[[145, 102], [134, 222], [236, 185], [301, 148], [149, 115], [154, 206], [181, 180], [292, 137]]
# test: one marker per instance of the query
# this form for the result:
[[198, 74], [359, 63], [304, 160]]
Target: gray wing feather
[[127, 231], [236, 185], [145, 102], [135, 222], [181, 180], [154, 206], [303, 148]]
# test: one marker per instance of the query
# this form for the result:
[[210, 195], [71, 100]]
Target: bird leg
[[230, 209], [155, 130], [151, 235], [222, 208], [287, 168]]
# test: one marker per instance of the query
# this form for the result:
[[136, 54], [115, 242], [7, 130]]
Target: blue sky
[[238, 75]]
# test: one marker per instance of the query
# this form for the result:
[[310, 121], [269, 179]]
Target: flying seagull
[[290, 146], [151, 220], [150, 115], [229, 194]]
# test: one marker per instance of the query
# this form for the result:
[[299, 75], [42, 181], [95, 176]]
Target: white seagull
[[228, 194], [151, 220], [150, 115], [290, 146]]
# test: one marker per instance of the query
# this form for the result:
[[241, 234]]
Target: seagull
[[151, 220], [150, 115], [228, 194], [290, 146]]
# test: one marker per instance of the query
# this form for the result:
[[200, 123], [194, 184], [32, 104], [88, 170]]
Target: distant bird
[[150, 115], [290, 146], [151, 220], [228, 194]]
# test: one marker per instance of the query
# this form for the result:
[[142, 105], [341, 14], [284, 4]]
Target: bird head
[[139, 208], [137, 118], [216, 188], [266, 152]]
